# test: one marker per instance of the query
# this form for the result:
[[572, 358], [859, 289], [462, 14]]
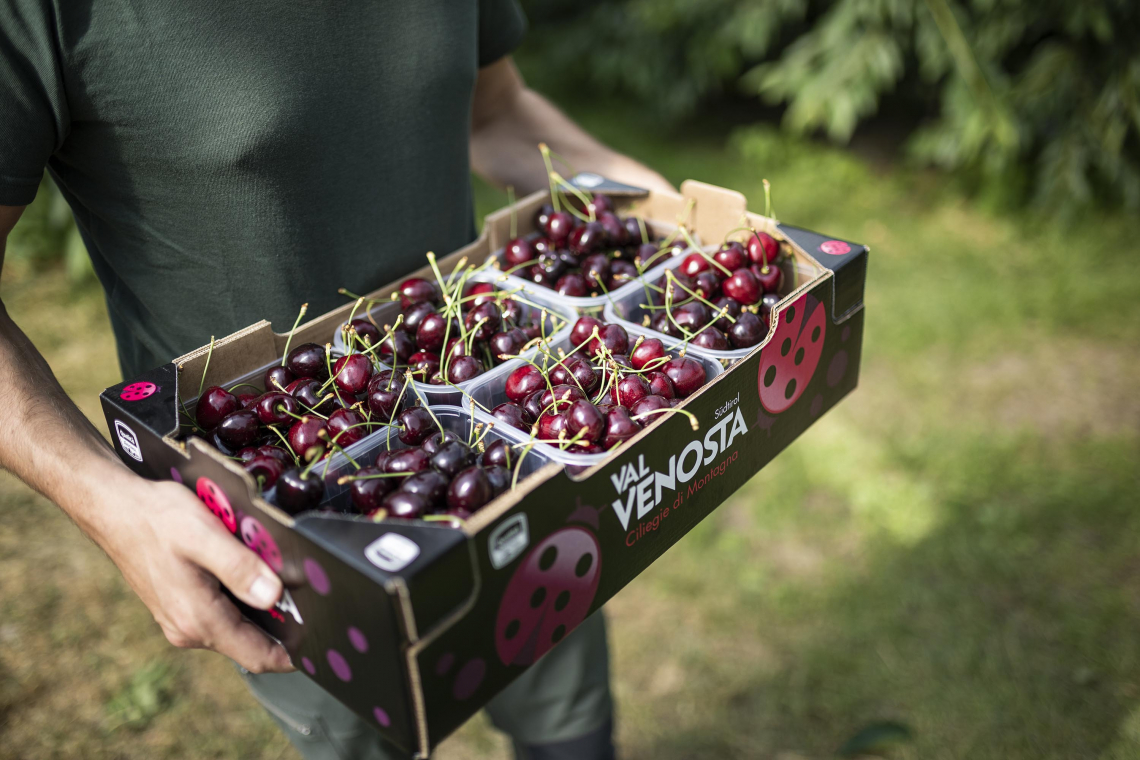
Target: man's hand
[[509, 120], [170, 549]]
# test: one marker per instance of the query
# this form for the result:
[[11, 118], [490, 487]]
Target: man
[[226, 162]]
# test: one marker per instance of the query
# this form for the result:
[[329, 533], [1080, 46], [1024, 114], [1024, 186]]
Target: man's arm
[[508, 120], [170, 550]]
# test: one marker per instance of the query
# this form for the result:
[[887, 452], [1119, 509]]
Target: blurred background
[[945, 566]]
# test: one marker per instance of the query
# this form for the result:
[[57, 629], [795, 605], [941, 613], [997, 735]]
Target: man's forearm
[[510, 120]]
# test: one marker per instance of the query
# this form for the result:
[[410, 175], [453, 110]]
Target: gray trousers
[[560, 708]]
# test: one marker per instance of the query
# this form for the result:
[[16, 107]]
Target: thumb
[[234, 565]]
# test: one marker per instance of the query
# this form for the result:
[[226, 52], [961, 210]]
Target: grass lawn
[[951, 556]]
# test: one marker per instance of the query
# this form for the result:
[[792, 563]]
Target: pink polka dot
[[358, 640], [444, 664], [816, 405], [339, 665], [308, 665], [175, 475], [469, 678], [381, 716], [846, 332], [837, 368], [318, 579], [138, 391]]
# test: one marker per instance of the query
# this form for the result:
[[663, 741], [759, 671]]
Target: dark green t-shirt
[[228, 161]]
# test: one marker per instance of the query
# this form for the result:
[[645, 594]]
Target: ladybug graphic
[[216, 501], [789, 360]]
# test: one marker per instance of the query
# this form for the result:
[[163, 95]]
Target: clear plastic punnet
[[559, 318], [487, 395]]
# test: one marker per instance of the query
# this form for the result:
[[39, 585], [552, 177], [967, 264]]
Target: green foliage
[[143, 699], [1030, 100]]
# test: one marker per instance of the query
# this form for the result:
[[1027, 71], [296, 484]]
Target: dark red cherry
[[573, 285], [398, 348], [414, 317], [582, 330], [238, 429], [707, 285], [276, 408], [731, 307], [748, 331], [456, 347], [305, 437], [687, 374], [584, 421], [265, 470], [649, 255], [469, 490], [560, 397], [423, 364], [407, 461], [771, 279], [633, 230], [619, 427], [587, 239], [297, 493], [614, 338], [660, 384], [367, 492], [621, 272], [616, 233], [551, 426], [499, 478], [629, 390], [512, 313], [680, 290], [542, 216], [599, 204], [277, 378], [512, 414], [731, 256], [436, 440], [662, 324], [762, 248], [543, 245], [518, 251], [498, 454], [430, 484], [307, 392], [711, 338], [277, 453], [416, 424], [768, 302], [484, 319], [559, 227], [405, 506], [547, 269], [247, 400], [352, 373], [214, 404], [367, 334], [346, 427], [692, 316], [743, 286], [477, 293], [649, 350], [532, 405], [433, 330], [417, 290], [596, 268], [464, 368], [307, 360], [504, 345], [451, 457], [524, 381], [646, 406], [384, 392], [694, 264]]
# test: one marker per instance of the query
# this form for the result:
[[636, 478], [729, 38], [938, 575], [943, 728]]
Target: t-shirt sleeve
[[33, 106], [501, 29]]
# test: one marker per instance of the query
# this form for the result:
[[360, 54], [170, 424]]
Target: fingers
[[230, 634], [213, 549]]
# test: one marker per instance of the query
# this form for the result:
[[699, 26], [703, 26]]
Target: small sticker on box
[[128, 441], [392, 552], [508, 541]]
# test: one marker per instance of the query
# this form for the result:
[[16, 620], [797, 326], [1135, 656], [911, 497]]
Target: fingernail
[[264, 592]]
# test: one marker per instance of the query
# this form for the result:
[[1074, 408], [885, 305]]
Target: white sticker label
[[392, 552], [588, 179], [508, 541], [128, 440], [287, 605]]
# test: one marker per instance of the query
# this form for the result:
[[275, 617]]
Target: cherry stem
[[312, 460], [644, 232], [423, 401], [324, 436], [767, 199], [205, 369], [300, 316], [723, 311], [692, 417], [285, 441], [514, 211], [518, 465], [545, 151], [579, 194], [375, 476], [380, 515], [243, 385]]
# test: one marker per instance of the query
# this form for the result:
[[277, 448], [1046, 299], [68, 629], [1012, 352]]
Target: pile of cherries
[[447, 332], [601, 393], [720, 301], [585, 254], [440, 477]]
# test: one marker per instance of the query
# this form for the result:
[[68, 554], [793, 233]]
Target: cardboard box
[[416, 626]]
